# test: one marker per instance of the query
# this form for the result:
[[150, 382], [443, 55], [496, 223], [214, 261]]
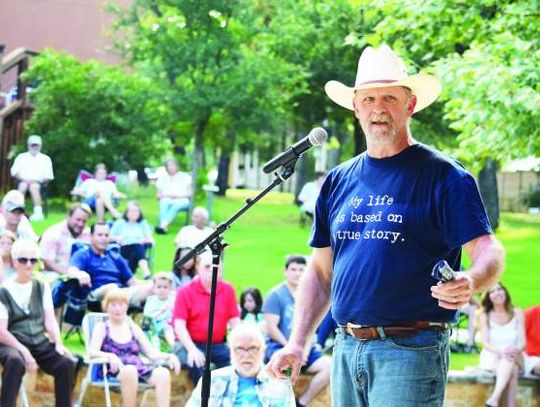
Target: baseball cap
[[34, 139], [11, 206]]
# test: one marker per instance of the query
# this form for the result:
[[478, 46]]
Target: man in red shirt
[[190, 319], [532, 333]]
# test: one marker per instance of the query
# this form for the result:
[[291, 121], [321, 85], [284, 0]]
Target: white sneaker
[[36, 217]]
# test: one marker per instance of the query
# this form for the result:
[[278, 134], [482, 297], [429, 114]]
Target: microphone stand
[[217, 244]]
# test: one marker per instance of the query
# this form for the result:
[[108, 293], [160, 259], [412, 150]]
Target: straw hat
[[379, 68]]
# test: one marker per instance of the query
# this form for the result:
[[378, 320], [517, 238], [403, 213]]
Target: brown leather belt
[[365, 333]]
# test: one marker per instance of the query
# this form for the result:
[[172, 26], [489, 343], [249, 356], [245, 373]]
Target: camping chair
[[96, 364], [83, 175]]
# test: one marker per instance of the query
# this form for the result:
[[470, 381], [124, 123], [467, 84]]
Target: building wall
[[75, 26], [512, 186]]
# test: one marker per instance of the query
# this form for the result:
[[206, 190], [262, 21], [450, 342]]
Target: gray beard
[[382, 140]]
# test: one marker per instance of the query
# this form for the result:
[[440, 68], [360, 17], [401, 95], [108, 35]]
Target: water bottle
[[281, 392]]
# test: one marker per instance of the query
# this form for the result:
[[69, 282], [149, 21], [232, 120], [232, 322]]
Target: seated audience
[[182, 274], [29, 334], [503, 338], [174, 193], [309, 194], [190, 318], [33, 170], [7, 238], [245, 382], [133, 234], [471, 309], [278, 311], [532, 334], [121, 342], [191, 235], [251, 307], [96, 269], [57, 240], [13, 217], [99, 193], [158, 309]]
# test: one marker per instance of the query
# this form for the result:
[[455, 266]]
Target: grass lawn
[[262, 237]]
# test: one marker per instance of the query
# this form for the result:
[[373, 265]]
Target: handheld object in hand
[[442, 271]]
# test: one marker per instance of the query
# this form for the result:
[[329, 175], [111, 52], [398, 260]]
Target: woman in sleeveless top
[[502, 331], [121, 341]]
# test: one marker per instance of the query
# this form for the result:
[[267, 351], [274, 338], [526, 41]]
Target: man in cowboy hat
[[382, 221]]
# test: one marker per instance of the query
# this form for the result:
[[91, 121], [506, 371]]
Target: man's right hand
[[195, 358], [30, 362], [291, 357], [82, 276]]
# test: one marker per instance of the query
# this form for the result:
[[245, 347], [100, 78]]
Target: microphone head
[[317, 136]]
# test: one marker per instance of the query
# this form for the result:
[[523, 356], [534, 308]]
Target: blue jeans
[[169, 208], [220, 358], [406, 371]]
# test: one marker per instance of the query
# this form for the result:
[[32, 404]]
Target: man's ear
[[412, 104], [355, 107]]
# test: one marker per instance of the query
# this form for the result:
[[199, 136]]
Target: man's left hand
[[454, 294]]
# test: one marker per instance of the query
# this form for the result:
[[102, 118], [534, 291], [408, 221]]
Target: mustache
[[380, 118]]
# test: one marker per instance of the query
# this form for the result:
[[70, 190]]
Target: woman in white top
[[174, 193], [502, 331], [99, 193]]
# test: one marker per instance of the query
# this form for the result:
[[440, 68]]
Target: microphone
[[316, 136]]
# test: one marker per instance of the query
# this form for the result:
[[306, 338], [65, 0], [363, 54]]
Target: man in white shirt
[[191, 235], [13, 218], [32, 170], [310, 192]]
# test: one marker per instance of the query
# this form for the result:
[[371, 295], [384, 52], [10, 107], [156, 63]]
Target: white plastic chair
[[89, 322], [23, 399]]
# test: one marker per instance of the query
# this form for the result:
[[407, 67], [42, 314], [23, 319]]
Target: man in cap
[[13, 217], [32, 170], [382, 221]]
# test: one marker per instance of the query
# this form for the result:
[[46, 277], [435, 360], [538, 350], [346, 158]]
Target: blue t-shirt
[[109, 268], [388, 221], [280, 301], [247, 393], [131, 232]]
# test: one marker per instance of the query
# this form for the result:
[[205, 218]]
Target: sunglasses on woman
[[26, 260]]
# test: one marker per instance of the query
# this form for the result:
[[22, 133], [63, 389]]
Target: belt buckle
[[349, 328]]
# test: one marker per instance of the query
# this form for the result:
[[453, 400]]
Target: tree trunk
[[224, 163], [487, 183], [198, 153], [300, 171], [359, 139], [142, 177]]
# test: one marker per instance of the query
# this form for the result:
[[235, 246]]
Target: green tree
[[89, 113], [223, 83], [486, 54]]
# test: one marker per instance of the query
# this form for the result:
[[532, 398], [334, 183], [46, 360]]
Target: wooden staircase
[[15, 107]]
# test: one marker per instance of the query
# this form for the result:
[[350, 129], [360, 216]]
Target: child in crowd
[[134, 234], [250, 307], [157, 310]]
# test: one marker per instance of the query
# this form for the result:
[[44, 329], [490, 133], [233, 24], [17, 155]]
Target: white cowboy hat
[[379, 68]]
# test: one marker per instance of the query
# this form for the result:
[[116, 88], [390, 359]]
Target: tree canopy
[[91, 113], [208, 76]]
